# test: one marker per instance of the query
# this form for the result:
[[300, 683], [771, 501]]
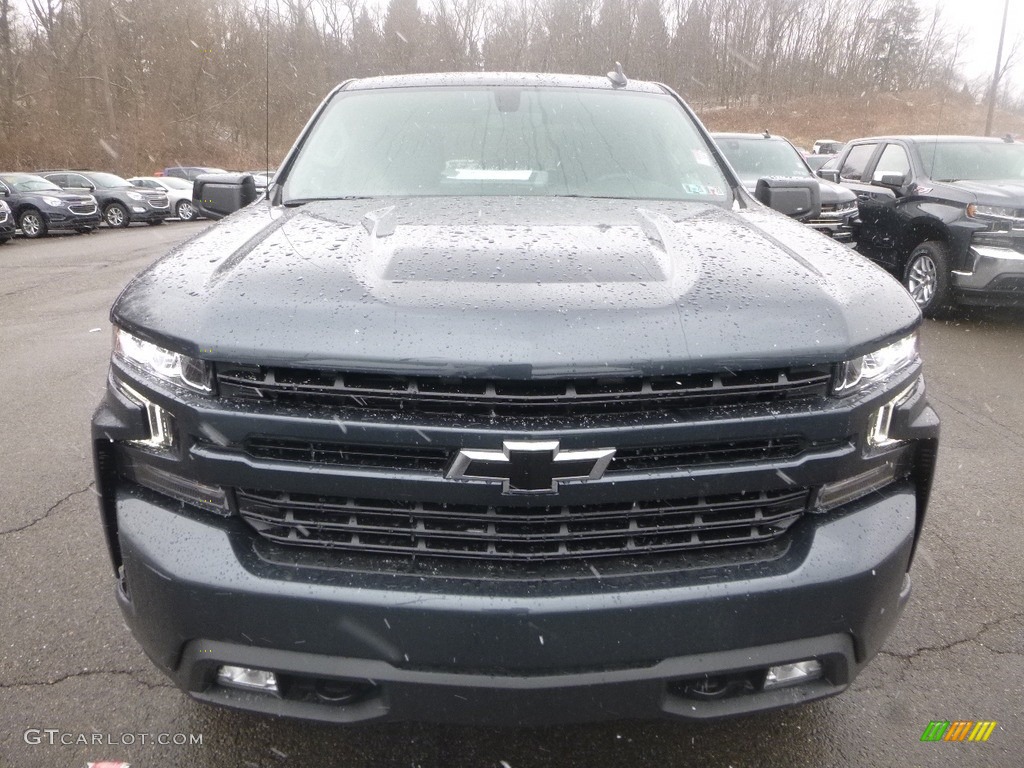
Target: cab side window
[[894, 161], [74, 180], [856, 161]]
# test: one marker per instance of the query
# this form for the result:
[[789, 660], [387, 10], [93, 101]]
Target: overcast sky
[[982, 19]]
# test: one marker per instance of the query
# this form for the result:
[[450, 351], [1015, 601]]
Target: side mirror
[[829, 174], [892, 180], [798, 198], [215, 195]]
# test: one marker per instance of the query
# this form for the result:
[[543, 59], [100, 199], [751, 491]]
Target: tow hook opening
[[311, 690], [731, 684]]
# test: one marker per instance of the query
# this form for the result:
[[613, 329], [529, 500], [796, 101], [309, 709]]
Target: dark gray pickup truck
[[943, 213], [508, 404]]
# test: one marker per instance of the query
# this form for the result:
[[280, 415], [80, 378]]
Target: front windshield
[[757, 158], [972, 160], [504, 141], [106, 180], [28, 183]]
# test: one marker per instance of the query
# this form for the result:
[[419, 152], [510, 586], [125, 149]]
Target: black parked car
[[943, 213], [7, 226], [38, 205], [510, 405], [120, 202], [757, 155]]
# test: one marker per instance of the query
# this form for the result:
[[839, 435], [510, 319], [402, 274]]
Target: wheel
[[926, 277], [184, 210], [116, 215], [32, 224]]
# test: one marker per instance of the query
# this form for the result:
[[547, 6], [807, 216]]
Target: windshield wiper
[[303, 200]]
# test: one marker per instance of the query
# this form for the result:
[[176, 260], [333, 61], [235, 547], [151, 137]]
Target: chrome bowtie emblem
[[525, 467]]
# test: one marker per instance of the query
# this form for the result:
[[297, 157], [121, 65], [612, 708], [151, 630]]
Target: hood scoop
[[540, 254]]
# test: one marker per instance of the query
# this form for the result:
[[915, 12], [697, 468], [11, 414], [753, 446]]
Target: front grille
[[521, 534], [158, 201], [524, 399], [83, 209], [437, 458]]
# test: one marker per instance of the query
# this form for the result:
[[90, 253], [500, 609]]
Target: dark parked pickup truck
[[756, 155], [943, 213], [508, 404]]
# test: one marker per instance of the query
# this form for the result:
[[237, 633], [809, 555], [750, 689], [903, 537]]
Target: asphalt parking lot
[[71, 675]]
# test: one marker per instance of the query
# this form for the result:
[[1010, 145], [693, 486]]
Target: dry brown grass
[[804, 120]]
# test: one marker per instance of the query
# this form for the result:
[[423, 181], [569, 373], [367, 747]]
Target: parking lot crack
[[128, 673], [952, 551], [974, 638], [968, 412], [51, 510]]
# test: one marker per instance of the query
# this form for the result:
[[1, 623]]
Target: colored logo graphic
[[958, 730]]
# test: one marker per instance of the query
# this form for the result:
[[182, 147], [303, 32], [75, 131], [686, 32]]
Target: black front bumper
[[62, 218], [147, 215], [200, 594], [478, 643]]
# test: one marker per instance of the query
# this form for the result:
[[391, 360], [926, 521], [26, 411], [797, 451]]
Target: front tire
[[116, 215], [184, 210], [32, 224], [927, 277]]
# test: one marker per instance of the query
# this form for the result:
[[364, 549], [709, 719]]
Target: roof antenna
[[766, 134], [1008, 138], [617, 77], [266, 104]]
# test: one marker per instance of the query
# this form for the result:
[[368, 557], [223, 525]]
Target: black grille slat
[[704, 454], [721, 504], [528, 398], [518, 534], [313, 452], [406, 457]]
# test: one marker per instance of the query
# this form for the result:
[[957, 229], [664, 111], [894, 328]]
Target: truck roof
[[520, 79]]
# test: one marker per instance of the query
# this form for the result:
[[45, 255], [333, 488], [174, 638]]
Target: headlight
[[54, 202], [170, 366], [993, 211], [999, 223], [135, 196], [861, 372]]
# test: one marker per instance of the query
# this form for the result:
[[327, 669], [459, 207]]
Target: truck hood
[[515, 287], [1002, 193]]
